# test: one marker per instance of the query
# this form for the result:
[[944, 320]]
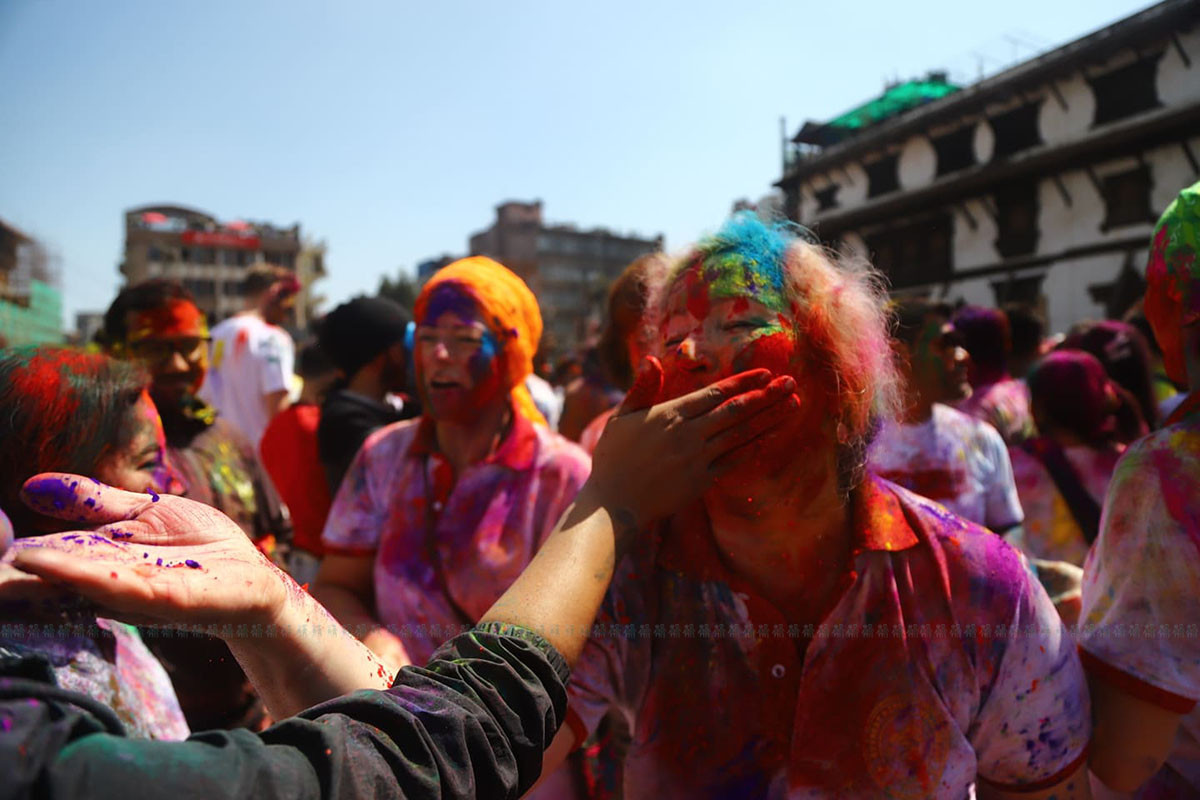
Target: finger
[[740, 408], [646, 387], [706, 399], [737, 440], [80, 499], [121, 587]]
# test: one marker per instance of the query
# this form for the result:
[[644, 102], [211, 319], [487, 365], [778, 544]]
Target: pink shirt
[[1004, 404], [1141, 587], [1050, 530], [446, 549], [943, 660]]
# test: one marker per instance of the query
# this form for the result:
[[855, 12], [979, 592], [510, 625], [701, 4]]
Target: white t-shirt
[[955, 459], [250, 359]]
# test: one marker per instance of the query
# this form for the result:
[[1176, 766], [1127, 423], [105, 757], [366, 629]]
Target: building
[[426, 268], [30, 302], [87, 325], [310, 268], [568, 269], [1040, 184], [210, 257]]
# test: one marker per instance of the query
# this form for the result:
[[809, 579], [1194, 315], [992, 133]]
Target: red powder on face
[[177, 318], [698, 304]]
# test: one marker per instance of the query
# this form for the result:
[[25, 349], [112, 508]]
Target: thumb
[[647, 386], [79, 499]]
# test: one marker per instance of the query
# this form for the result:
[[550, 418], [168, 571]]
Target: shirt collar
[[878, 523], [516, 451]]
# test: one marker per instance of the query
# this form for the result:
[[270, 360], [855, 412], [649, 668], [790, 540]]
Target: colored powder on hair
[[179, 317]]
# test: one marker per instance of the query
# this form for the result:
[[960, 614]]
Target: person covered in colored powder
[[63, 409], [1063, 473], [289, 454], [473, 723], [996, 397], [934, 449], [157, 324], [365, 339], [252, 356], [626, 337], [1139, 639], [807, 629], [438, 515], [1125, 355]]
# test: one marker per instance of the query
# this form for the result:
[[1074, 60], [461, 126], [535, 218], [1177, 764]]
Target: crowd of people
[[774, 534]]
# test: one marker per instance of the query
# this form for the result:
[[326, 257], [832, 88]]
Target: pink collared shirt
[[943, 662], [446, 548]]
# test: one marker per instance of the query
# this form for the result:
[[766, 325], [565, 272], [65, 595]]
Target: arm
[[274, 402], [1132, 739], [344, 585]]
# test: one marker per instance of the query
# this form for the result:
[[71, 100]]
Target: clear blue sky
[[391, 129]]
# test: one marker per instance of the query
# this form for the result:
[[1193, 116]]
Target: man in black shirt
[[365, 339], [472, 723]]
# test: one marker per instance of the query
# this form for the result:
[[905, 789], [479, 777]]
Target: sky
[[391, 130]]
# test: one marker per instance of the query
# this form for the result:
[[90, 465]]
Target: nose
[[692, 352], [177, 363]]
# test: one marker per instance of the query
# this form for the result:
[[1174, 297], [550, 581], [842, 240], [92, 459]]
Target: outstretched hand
[[148, 559], [652, 460]]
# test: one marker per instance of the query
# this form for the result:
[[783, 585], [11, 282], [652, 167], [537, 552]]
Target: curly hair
[[838, 309]]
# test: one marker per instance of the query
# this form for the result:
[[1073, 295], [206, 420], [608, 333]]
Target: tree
[[402, 290]]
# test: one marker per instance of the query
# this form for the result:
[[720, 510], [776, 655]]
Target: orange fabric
[[509, 309]]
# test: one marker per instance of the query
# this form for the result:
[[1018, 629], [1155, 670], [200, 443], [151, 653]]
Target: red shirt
[[289, 454]]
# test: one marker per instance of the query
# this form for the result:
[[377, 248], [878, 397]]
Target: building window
[[201, 287], [882, 176], [1127, 199], [955, 150], [1026, 291], [827, 197], [1016, 130], [1125, 91], [1016, 220], [915, 254]]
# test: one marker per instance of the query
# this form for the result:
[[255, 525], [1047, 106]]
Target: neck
[[984, 375], [369, 383], [917, 407], [464, 444], [788, 536]]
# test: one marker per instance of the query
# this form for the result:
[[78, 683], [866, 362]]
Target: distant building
[[568, 269], [1039, 184], [210, 257], [426, 268], [310, 268], [87, 325], [30, 303]]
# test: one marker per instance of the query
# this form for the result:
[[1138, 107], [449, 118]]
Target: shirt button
[[778, 671], [437, 505]]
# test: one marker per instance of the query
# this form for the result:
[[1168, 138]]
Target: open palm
[[148, 559]]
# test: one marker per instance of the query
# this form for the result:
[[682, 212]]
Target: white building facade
[[1039, 185]]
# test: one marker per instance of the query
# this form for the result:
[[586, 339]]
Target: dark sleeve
[[473, 723], [340, 433]]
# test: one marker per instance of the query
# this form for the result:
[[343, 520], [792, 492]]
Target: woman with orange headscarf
[[438, 515]]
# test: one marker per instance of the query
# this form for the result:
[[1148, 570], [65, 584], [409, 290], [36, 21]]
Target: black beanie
[[357, 331]]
